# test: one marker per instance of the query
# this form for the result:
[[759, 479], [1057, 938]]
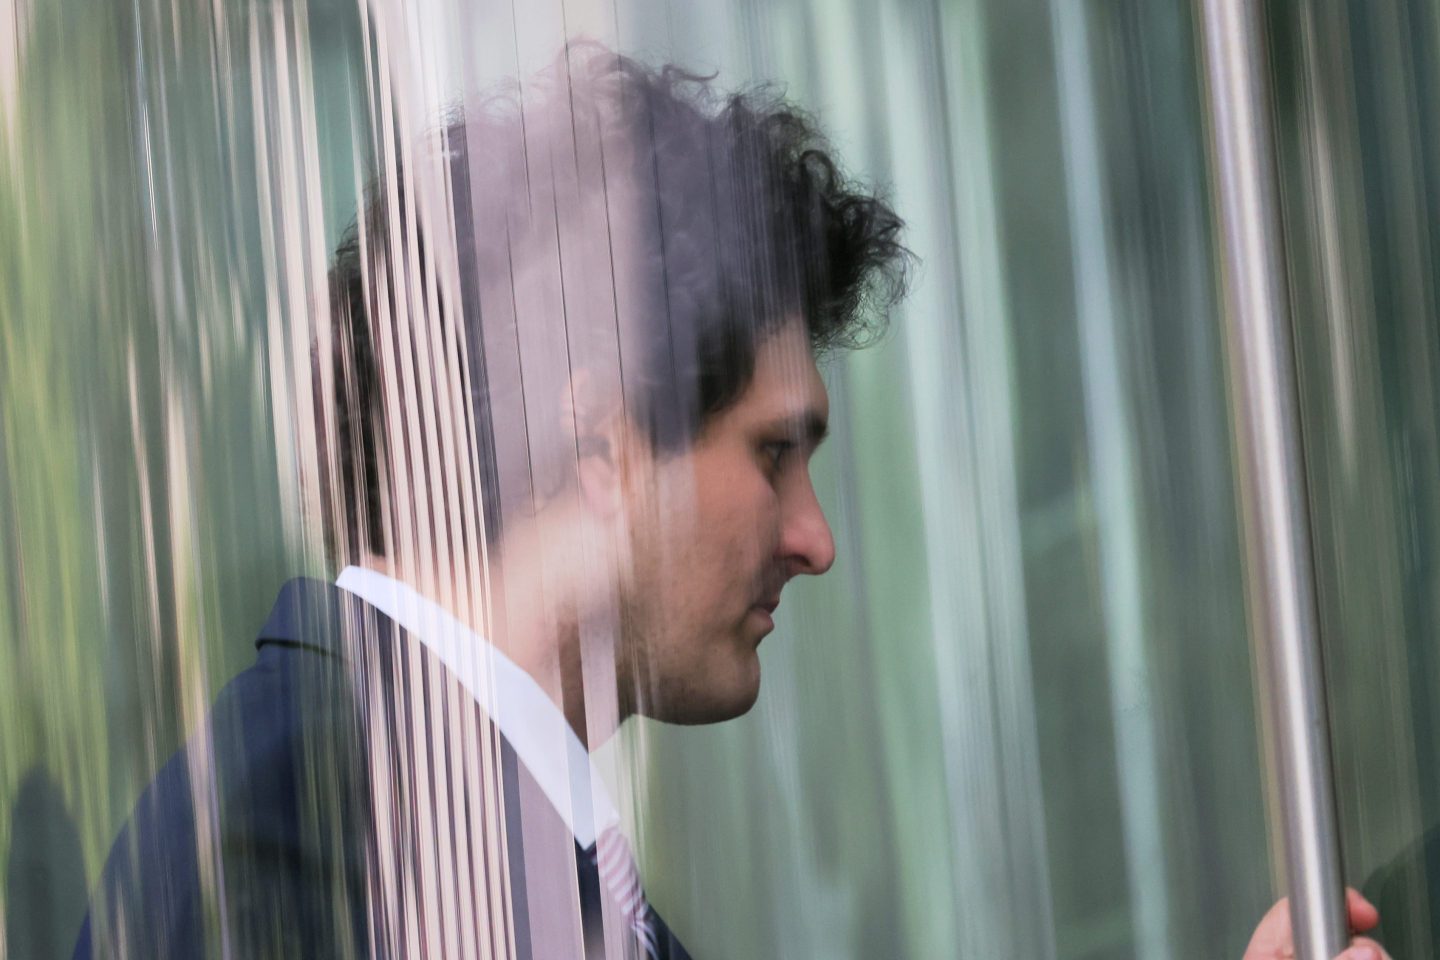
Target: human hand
[[1273, 939]]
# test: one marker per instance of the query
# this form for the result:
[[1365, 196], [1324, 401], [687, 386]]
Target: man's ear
[[599, 426], [601, 485]]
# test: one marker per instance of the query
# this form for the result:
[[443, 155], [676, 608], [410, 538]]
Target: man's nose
[[806, 543]]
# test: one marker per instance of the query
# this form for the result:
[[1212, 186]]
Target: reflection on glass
[[498, 338], [1359, 179]]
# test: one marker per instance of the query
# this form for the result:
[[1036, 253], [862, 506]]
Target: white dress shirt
[[532, 723]]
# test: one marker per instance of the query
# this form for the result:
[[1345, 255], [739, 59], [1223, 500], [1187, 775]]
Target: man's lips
[[764, 608]]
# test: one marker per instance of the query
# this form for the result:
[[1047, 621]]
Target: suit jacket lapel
[[420, 761]]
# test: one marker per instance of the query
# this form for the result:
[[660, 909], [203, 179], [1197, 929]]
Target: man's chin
[[712, 706]]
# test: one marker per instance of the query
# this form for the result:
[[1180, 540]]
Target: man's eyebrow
[[808, 426]]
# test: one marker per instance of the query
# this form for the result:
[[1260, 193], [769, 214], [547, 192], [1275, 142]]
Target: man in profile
[[568, 400], [568, 397]]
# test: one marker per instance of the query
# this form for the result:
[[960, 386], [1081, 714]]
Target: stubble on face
[[706, 561], [687, 651]]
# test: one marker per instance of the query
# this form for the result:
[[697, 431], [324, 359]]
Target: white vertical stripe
[[527, 718]]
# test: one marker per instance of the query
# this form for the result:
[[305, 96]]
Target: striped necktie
[[616, 865]]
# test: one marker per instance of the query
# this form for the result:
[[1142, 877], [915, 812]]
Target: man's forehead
[[785, 362], [787, 387]]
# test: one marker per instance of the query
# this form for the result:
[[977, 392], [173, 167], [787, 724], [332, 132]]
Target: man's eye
[[776, 451]]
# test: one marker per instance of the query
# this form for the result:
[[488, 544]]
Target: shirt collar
[[537, 730]]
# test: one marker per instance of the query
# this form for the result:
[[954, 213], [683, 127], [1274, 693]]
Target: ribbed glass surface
[[1358, 146], [1017, 716]]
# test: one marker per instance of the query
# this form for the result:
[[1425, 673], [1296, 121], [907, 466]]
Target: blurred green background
[[1018, 718]]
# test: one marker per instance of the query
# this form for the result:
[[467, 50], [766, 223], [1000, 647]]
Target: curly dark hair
[[725, 213]]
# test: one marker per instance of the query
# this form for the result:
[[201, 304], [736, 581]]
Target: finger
[[1362, 913], [1273, 931], [1363, 948]]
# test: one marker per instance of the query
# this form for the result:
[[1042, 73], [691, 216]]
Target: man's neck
[[528, 718], [523, 621]]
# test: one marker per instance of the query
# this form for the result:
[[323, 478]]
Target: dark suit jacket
[[343, 799], [1406, 891]]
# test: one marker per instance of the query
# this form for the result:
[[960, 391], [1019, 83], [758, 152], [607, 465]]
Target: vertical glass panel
[[1357, 83], [1045, 534], [439, 294]]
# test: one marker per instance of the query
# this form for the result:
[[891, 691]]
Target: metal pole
[[1265, 414]]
